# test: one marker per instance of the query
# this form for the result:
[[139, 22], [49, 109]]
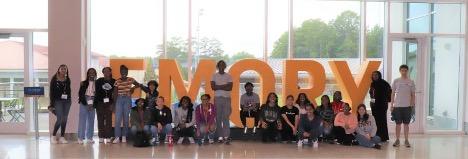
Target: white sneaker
[[108, 140], [211, 141], [220, 140], [245, 130], [63, 141], [306, 141], [116, 140], [80, 141], [315, 145], [181, 139], [124, 139], [53, 140], [90, 141], [153, 140], [192, 141], [101, 140], [299, 143]]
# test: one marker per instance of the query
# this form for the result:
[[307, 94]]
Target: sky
[[134, 27]]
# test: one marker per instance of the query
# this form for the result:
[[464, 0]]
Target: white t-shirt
[[403, 89], [246, 100], [222, 79]]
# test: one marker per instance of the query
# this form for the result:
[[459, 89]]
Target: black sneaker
[[377, 146], [228, 141]]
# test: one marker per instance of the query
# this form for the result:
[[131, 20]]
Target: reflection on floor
[[424, 146]]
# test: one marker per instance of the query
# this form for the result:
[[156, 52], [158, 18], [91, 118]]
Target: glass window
[[12, 76], [375, 20], [126, 29], [419, 16], [278, 28], [330, 33], [177, 33], [324, 34], [24, 13], [221, 31], [41, 77], [449, 18], [444, 87]]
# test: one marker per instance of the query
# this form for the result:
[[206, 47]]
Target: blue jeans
[[122, 111], [363, 141], [86, 121], [62, 108], [203, 132], [148, 129], [166, 130]]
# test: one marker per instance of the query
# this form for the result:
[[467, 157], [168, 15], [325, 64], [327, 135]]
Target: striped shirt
[[124, 86]]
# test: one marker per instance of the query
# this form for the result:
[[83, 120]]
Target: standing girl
[[60, 101], [87, 112]]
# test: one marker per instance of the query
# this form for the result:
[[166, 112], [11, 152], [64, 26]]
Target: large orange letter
[[316, 79], [169, 72], [267, 80], [353, 90]]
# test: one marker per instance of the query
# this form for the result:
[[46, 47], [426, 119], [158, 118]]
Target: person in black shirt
[[310, 127], [380, 93], [290, 119], [60, 101], [270, 114], [151, 91], [103, 101], [163, 120], [325, 111]]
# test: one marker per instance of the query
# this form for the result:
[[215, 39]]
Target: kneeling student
[[205, 115], [310, 128], [184, 119], [270, 118]]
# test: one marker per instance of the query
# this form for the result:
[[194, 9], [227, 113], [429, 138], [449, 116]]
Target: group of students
[[299, 121]]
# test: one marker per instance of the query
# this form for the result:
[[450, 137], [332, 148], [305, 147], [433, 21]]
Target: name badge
[[106, 100], [64, 96], [90, 102], [160, 112], [372, 100]]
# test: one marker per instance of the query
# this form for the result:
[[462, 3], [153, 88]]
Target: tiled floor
[[424, 147]]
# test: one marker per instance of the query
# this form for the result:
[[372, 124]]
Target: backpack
[[141, 140]]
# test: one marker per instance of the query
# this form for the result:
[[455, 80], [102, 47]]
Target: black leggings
[[342, 137], [270, 132], [287, 133], [248, 114]]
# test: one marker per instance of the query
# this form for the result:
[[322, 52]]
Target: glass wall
[[444, 99], [12, 78], [235, 30]]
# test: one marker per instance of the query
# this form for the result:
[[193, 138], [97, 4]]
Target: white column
[[65, 47]]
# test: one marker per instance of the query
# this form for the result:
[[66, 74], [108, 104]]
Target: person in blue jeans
[[124, 88], [366, 130], [140, 119], [87, 111], [163, 120], [60, 102]]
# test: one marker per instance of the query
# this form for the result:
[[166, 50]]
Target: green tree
[[375, 42], [149, 72], [338, 38], [347, 26], [239, 56]]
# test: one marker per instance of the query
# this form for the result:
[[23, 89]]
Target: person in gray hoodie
[[366, 130]]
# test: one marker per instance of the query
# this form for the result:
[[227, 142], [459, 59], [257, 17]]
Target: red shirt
[[337, 106]]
